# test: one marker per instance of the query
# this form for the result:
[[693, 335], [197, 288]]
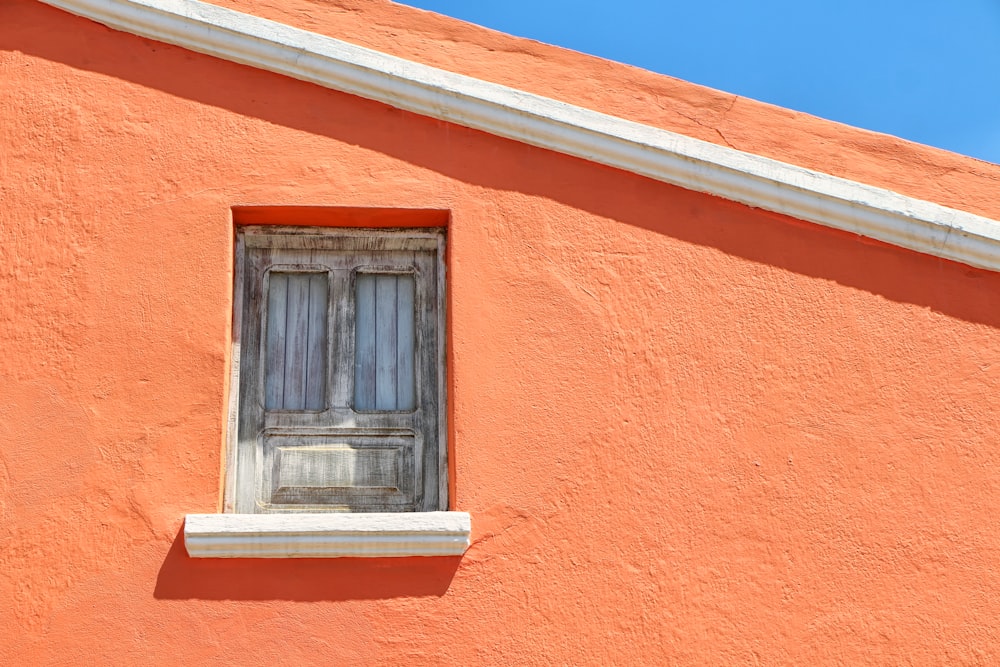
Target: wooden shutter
[[340, 377], [385, 342], [296, 340]]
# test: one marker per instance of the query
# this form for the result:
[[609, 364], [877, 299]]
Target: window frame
[[239, 472]]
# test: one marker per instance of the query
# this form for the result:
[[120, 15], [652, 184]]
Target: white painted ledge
[[327, 535], [532, 119]]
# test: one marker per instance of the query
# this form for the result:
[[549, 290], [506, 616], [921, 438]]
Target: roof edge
[[666, 156]]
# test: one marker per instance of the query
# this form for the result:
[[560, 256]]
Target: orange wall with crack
[[688, 431]]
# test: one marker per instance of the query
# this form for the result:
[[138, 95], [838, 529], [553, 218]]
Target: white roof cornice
[[659, 154]]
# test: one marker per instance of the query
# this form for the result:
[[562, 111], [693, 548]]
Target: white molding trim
[[666, 156], [327, 535]]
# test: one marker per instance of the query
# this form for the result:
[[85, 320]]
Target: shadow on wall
[[473, 157], [300, 579]]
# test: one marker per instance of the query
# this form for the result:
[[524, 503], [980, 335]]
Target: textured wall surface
[[688, 432]]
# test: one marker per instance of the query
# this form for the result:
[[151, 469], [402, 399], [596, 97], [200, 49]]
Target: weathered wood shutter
[[384, 347], [297, 341], [341, 378]]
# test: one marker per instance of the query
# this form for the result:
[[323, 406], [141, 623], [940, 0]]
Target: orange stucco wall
[[688, 431]]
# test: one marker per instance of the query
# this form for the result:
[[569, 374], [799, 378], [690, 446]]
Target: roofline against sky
[[666, 156]]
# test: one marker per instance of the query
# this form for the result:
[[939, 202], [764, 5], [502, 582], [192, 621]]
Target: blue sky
[[928, 71]]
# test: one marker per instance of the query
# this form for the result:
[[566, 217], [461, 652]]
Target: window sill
[[329, 535]]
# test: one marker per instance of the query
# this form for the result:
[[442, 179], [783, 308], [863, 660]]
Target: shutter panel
[[384, 342], [296, 341], [341, 377]]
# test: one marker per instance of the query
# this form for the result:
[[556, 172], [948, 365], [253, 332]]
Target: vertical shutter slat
[[274, 353], [364, 343], [316, 367], [330, 321], [385, 342], [405, 343], [296, 341]]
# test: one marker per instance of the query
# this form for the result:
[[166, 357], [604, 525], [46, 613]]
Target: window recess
[[340, 380]]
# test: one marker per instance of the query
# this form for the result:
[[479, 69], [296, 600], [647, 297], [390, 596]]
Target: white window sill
[[329, 535]]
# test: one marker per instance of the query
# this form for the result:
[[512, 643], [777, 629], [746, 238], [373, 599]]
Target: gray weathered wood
[[333, 441], [275, 332], [385, 342], [438, 459], [405, 342], [319, 342], [296, 342], [252, 269], [346, 469], [337, 467], [364, 346], [350, 240]]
